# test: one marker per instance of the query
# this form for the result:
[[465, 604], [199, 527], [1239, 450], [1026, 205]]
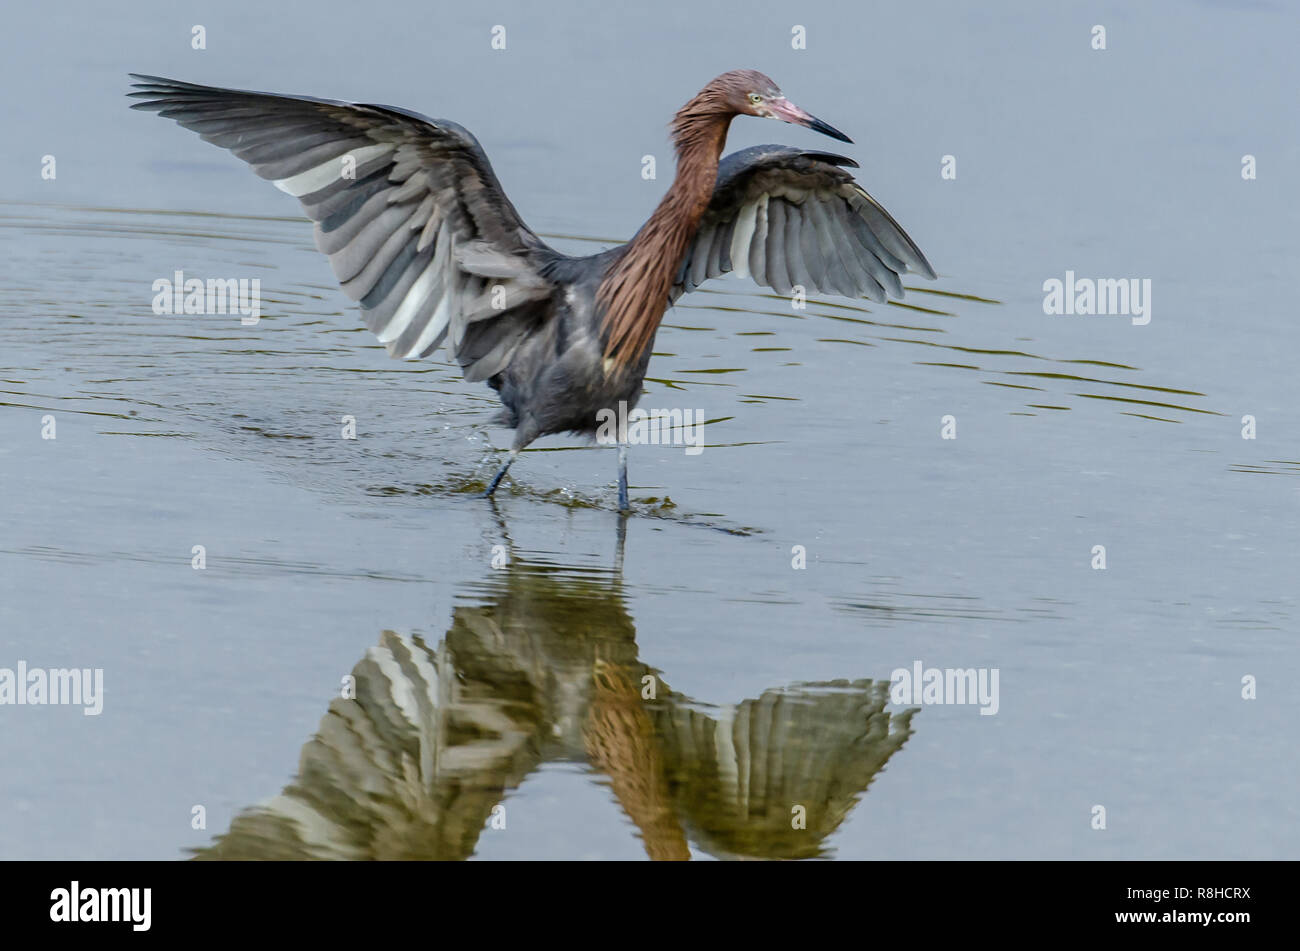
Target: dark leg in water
[[622, 478], [621, 544], [496, 479]]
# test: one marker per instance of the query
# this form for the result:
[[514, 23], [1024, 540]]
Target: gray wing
[[784, 216], [408, 209]]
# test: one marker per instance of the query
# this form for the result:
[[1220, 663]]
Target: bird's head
[[750, 93]]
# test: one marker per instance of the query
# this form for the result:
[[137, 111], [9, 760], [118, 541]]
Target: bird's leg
[[622, 477], [620, 545], [496, 479], [501, 523]]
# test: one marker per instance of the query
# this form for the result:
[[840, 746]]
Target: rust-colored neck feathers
[[635, 291]]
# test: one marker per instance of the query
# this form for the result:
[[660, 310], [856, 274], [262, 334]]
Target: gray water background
[[1119, 687]]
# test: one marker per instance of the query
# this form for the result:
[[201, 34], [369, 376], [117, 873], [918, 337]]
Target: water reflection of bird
[[420, 232], [545, 669]]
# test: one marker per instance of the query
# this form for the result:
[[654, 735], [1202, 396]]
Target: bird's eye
[[755, 98]]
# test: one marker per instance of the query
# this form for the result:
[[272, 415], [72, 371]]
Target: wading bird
[[419, 231]]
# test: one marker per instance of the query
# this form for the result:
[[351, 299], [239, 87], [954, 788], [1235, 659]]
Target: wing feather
[[787, 217], [408, 210]]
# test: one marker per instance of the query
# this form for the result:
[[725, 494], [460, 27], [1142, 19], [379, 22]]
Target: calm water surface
[[499, 652]]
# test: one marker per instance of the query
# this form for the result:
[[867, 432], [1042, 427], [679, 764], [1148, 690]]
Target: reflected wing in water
[[740, 778], [546, 670]]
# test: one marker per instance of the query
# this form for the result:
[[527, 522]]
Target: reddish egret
[[420, 232]]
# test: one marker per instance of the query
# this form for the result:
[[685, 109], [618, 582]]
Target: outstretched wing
[[785, 216], [408, 209]]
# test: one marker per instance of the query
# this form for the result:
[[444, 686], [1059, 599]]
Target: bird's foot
[[496, 479], [623, 505]]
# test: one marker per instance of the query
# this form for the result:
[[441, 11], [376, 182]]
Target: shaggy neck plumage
[[635, 291]]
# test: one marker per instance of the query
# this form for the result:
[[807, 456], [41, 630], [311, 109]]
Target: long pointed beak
[[787, 111]]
